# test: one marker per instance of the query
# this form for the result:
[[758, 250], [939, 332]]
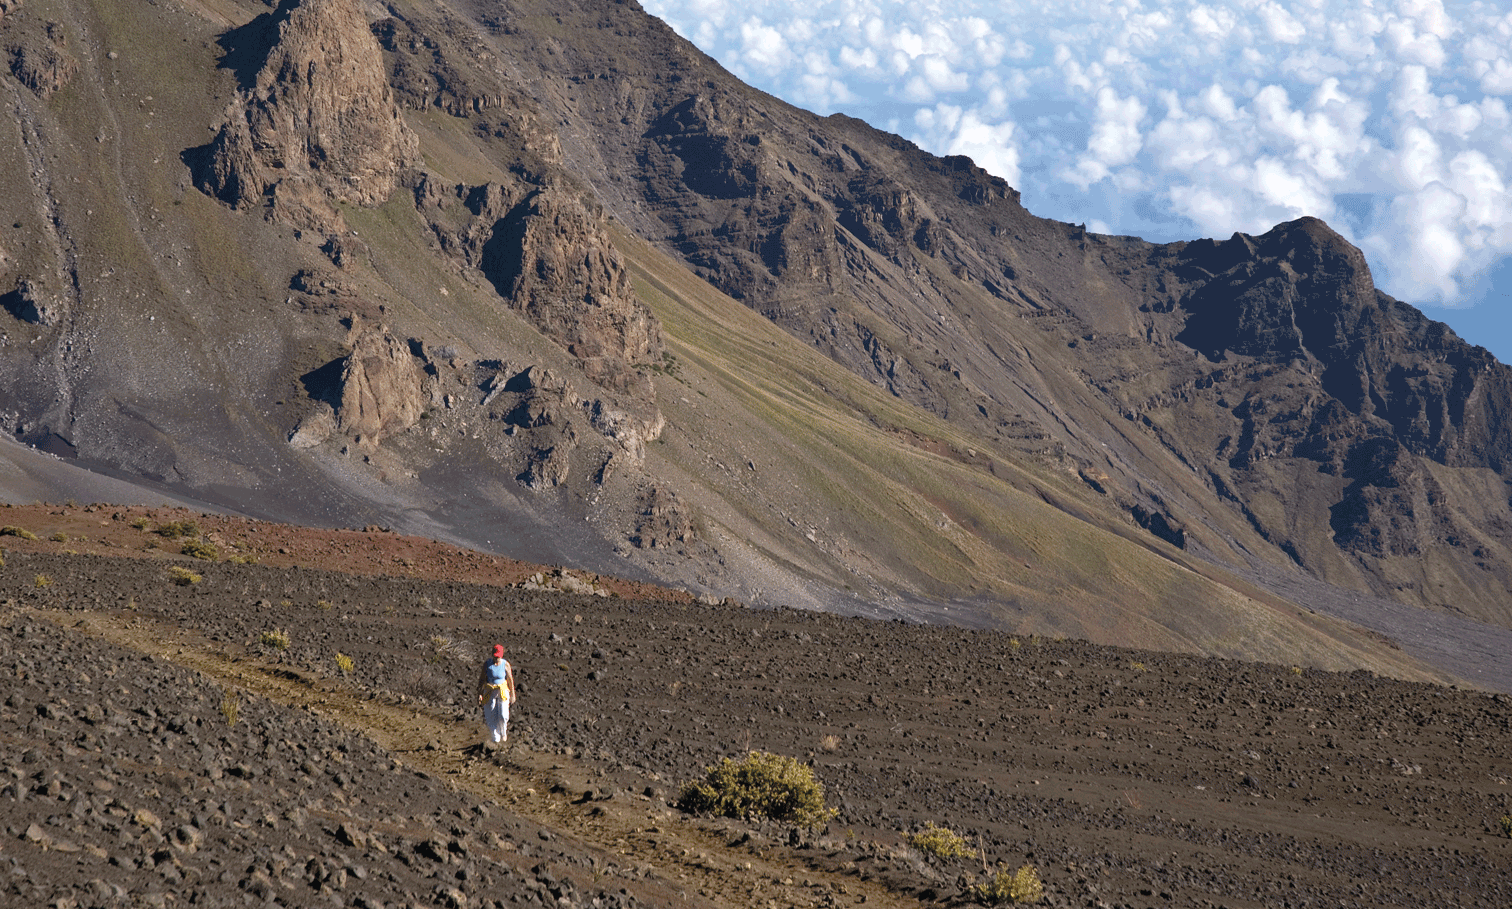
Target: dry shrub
[[200, 549], [759, 785], [1021, 886], [183, 576], [940, 842]]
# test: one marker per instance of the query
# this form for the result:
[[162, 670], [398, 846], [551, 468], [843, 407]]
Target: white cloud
[[1216, 115]]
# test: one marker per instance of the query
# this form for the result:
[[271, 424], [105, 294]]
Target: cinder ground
[[1127, 779]]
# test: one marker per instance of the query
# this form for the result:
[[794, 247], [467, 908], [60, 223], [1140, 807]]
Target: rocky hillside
[[545, 280]]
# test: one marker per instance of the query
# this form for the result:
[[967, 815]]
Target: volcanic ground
[[169, 741]]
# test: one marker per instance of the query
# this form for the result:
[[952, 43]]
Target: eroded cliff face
[[315, 123], [548, 255], [1256, 395]]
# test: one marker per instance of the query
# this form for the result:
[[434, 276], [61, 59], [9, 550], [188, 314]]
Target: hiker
[[496, 691]]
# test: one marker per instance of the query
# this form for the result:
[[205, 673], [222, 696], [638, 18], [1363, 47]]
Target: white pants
[[496, 717]]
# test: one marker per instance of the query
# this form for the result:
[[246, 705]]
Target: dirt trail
[[692, 856]]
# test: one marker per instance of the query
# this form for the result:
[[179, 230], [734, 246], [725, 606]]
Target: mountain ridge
[[619, 311]]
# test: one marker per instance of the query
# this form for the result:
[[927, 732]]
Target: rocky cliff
[[315, 123]]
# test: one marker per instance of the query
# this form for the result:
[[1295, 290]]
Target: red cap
[[498, 650]]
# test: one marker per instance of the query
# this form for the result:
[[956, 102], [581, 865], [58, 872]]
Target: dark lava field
[[164, 746]]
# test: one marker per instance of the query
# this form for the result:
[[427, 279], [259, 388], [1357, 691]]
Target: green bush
[[11, 530], [759, 785], [275, 638], [1021, 886], [183, 576], [1506, 825], [200, 549], [940, 842], [173, 530]]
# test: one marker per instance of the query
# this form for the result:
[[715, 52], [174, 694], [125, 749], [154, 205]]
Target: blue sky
[[1175, 119]]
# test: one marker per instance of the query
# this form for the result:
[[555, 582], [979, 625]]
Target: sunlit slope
[[820, 473]]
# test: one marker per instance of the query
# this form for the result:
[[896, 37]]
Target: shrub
[[940, 842], [140, 523], [59, 537], [41, 581], [1021, 886], [344, 663], [174, 530], [275, 638], [183, 576], [11, 530], [1506, 825], [200, 549], [760, 785], [229, 707]]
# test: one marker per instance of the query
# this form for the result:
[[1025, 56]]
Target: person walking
[[496, 692]]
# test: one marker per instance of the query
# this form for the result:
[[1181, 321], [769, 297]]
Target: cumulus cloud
[[1176, 118]]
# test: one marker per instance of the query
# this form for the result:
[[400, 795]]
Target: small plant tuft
[[200, 549], [275, 638], [344, 663], [140, 522], [759, 785], [1137, 666], [11, 530], [940, 842], [183, 576], [1506, 825], [228, 707], [1021, 886], [59, 537], [41, 581]]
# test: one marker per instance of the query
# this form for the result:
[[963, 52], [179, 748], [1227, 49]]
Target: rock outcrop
[[30, 302], [41, 61], [317, 126], [381, 387], [549, 256]]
